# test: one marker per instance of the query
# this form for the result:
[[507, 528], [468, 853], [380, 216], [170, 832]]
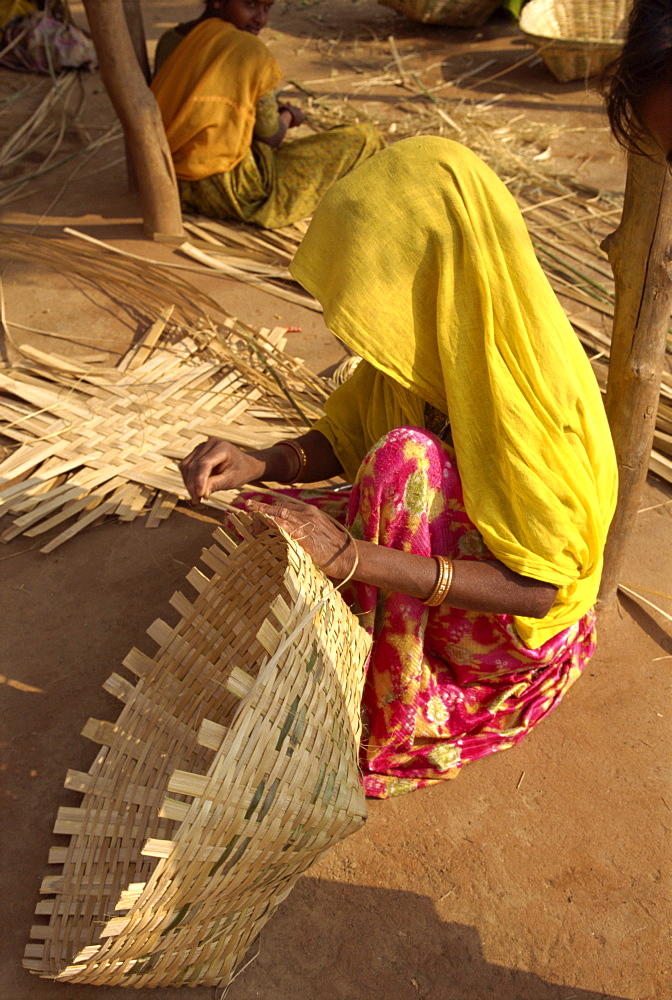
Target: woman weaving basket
[[216, 86], [482, 470]]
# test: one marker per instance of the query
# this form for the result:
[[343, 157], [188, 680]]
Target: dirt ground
[[540, 874]]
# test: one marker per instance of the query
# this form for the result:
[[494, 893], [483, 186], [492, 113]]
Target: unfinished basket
[[576, 38], [232, 767], [458, 13]]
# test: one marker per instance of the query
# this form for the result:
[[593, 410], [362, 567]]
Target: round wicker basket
[[576, 38], [458, 13], [232, 767]]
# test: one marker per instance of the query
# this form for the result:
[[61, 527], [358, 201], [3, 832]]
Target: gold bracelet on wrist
[[301, 461], [443, 583]]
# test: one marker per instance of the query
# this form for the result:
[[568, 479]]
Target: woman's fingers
[[195, 471], [198, 467], [286, 517], [290, 519], [292, 511], [323, 540]]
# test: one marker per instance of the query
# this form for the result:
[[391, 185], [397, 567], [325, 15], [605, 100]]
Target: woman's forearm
[[486, 586], [280, 462]]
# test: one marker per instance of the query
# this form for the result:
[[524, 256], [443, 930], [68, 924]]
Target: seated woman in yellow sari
[[216, 85], [482, 468]]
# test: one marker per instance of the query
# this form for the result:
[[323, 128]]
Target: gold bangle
[[301, 458], [443, 583]]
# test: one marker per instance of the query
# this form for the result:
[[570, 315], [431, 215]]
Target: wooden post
[[136, 29], [140, 118], [640, 254]]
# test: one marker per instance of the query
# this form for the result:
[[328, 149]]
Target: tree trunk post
[[640, 256], [136, 30], [140, 118]]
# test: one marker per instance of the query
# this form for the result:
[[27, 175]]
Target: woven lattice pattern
[[577, 38], [232, 767], [460, 13], [98, 443]]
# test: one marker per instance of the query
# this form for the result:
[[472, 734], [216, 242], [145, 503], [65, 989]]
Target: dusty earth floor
[[540, 874]]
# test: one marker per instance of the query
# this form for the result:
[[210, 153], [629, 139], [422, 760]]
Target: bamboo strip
[[142, 350], [100, 509], [252, 279]]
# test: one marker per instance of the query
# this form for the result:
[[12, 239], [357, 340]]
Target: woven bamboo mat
[[231, 768], [95, 443]]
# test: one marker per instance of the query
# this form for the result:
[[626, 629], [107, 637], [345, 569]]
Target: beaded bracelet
[[443, 581], [301, 458]]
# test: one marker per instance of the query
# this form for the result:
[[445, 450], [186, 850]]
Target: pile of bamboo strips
[[253, 256]]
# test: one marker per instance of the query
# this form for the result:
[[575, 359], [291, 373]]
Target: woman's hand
[[297, 117], [331, 547], [218, 465]]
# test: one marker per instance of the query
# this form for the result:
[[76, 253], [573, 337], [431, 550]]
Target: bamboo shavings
[[261, 273], [639, 594], [140, 288], [51, 132]]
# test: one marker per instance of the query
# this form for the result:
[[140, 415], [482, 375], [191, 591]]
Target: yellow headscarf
[[207, 91], [424, 267]]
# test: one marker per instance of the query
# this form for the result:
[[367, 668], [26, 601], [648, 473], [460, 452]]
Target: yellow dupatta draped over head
[[424, 267], [207, 91]]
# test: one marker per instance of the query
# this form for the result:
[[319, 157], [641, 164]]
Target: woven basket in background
[[576, 38], [232, 767], [458, 13]]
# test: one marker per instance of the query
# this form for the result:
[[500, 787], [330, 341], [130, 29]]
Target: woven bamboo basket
[[576, 38], [458, 13], [232, 767]]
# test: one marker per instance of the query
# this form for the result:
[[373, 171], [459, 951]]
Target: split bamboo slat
[[232, 767], [95, 443]]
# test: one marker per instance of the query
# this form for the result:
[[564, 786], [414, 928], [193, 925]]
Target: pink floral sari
[[444, 686]]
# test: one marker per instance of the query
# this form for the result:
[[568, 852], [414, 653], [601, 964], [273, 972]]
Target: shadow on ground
[[405, 951]]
